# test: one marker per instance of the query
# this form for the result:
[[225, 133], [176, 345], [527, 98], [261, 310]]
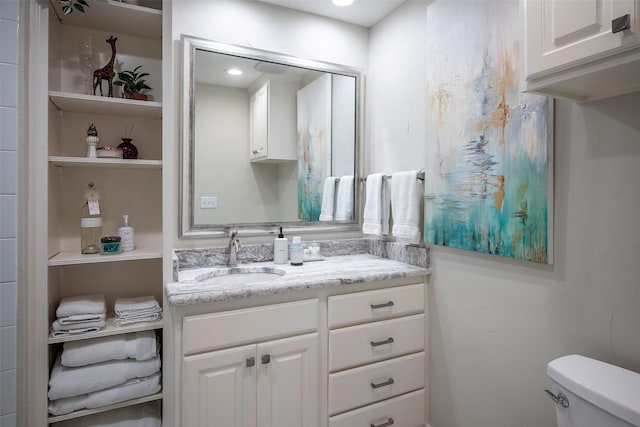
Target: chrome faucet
[[234, 246]]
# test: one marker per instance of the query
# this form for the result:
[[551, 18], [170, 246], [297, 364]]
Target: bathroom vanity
[[338, 342]]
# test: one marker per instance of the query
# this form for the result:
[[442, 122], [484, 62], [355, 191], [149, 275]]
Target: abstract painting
[[314, 145], [489, 173]]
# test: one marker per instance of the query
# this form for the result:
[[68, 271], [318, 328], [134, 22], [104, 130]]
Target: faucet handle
[[233, 234]]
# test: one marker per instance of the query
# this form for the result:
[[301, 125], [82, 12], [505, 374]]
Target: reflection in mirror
[[268, 140]]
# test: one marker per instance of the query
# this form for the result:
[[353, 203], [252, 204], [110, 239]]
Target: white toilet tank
[[598, 394]]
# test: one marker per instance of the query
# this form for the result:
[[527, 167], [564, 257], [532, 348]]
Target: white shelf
[[81, 103], [75, 257], [115, 17], [85, 412], [86, 162], [110, 329]]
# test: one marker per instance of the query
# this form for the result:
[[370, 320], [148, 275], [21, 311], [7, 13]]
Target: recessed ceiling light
[[342, 2], [234, 72]]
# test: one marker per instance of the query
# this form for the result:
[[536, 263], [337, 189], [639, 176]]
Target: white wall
[[494, 322], [8, 207]]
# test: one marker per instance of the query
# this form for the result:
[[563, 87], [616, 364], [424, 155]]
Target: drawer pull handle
[[383, 305], [377, 343], [266, 358], [387, 423], [390, 381], [251, 361]]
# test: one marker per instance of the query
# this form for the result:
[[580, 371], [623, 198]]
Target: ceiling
[[362, 12]]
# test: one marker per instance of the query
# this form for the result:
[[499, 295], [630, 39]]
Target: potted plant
[[132, 83], [68, 6]]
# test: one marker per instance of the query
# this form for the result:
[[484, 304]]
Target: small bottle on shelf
[[126, 234], [90, 222]]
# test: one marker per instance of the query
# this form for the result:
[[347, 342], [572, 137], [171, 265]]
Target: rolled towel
[[135, 345], [127, 306], [69, 382], [100, 323], [141, 415], [132, 389], [81, 304], [328, 199]]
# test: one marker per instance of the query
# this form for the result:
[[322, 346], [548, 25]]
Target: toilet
[[591, 393]]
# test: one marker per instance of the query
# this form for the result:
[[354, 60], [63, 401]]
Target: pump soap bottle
[[280, 249], [126, 234]]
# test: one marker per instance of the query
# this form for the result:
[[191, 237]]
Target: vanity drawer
[[402, 411], [217, 330], [375, 305], [373, 383], [371, 342]]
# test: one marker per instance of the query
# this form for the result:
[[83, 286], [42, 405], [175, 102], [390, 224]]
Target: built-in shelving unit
[[127, 186]]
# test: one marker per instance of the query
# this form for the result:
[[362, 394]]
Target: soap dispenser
[[126, 234], [280, 249]]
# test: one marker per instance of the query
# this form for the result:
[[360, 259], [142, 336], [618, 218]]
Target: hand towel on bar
[[81, 304], [376, 206], [141, 415], [127, 306], [405, 206], [344, 200], [69, 382], [135, 345], [328, 198], [132, 389]]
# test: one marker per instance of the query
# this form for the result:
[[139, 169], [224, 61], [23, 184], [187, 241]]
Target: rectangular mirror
[[268, 140]]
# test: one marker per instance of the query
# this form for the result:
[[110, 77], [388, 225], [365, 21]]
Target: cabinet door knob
[[383, 305], [377, 343], [620, 24], [390, 381], [266, 358], [251, 361], [387, 423]]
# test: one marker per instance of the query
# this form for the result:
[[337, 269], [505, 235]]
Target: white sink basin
[[239, 275]]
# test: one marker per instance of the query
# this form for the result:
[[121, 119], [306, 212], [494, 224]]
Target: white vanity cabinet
[[272, 118], [377, 362], [266, 383], [572, 51]]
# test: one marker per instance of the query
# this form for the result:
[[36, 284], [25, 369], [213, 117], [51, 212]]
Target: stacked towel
[[328, 199], [142, 415], [134, 310], [135, 345], [405, 206], [80, 314], [376, 208], [67, 382], [132, 389], [344, 200]]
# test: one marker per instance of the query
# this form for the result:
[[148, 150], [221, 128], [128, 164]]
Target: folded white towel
[[344, 201], [376, 207], [75, 331], [135, 345], [328, 199], [132, 389], [141, 415], [81, 304], [136, 318], [124, 306], [405, 206], [72, 327], [69, 382], [81, 318]]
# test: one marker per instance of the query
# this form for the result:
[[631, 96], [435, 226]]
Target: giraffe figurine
[[106, 72]]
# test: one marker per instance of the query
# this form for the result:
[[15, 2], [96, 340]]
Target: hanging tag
[[94, 207]]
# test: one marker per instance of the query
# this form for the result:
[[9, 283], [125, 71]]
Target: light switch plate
[[208, 202]]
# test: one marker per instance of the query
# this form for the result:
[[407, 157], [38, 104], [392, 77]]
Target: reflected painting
[[488, 185]]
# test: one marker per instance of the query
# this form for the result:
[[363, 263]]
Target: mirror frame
[[186, 214]]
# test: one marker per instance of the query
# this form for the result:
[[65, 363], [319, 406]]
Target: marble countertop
[[330, 272]]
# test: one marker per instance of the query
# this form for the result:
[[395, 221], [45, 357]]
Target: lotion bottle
[[297, 251], [280, 249], [126, 234]]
